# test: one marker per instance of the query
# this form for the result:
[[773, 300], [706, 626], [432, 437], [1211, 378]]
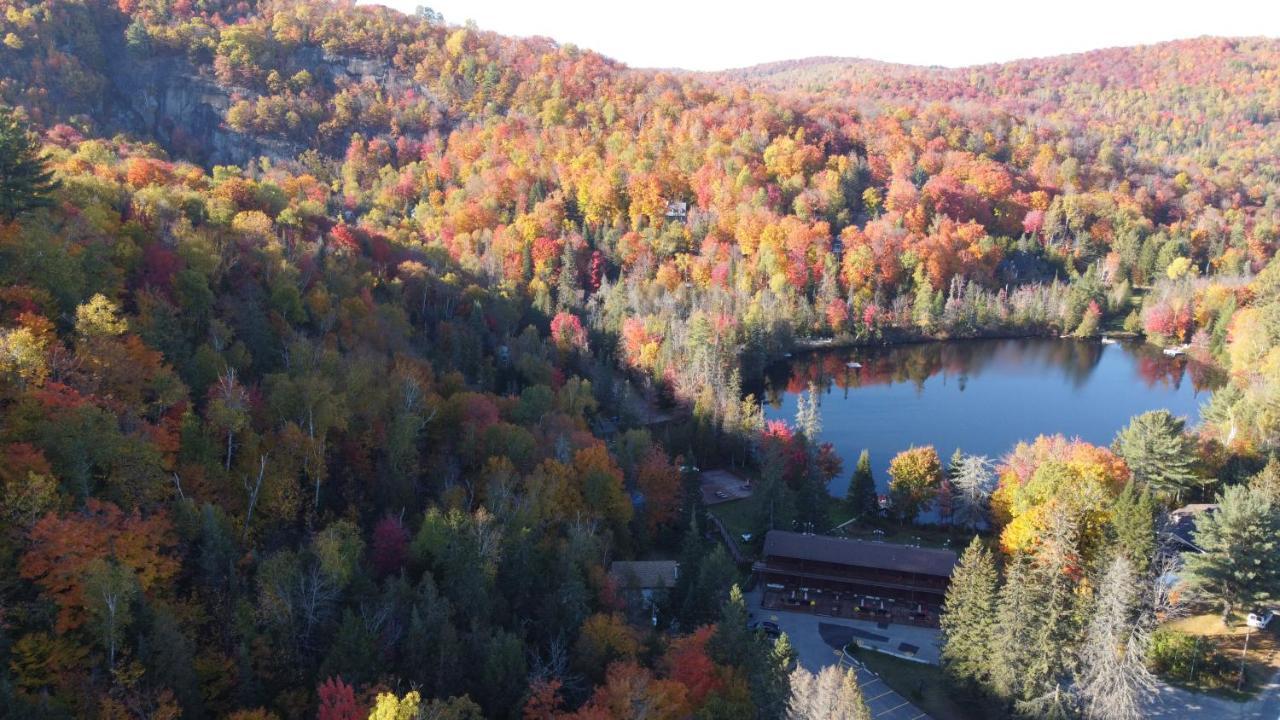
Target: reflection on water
[[983, 396]]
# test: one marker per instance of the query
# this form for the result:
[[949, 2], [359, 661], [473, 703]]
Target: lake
[[982, 396]]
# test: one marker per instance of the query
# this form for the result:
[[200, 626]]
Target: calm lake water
[[982, 396]]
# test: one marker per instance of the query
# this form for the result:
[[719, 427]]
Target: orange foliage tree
[[65, 546]]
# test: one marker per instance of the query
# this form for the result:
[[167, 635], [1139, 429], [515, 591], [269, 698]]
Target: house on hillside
[[677, 210], [1180, 528], [644, 584]]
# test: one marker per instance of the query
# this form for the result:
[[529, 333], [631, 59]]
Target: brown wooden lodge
[[854, 578]]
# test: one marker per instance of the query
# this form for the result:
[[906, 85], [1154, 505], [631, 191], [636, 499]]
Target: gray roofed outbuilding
[[859, 553], [645, 574]]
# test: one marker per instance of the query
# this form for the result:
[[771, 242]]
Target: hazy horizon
[[710, 37]]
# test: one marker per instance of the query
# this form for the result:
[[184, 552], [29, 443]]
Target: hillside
[[334, 341], [1188, 97]]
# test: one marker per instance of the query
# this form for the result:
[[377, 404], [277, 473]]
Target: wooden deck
[[851, 606]]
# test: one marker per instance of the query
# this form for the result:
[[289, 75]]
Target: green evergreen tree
[[1158, 452], [812, 502], [784, 653], [1056, 621], [1038, 624], [1133, 525], [691, 552], [169, 657], [568, 294], [500, 684], [956, 465], [1267, 480], [766, 666], [1014, 606], [775, 502], [352, 656], [861, 497], [26, 182], [732, 640], [1240, 565], [526, 262], [716, 574], [968, 618]]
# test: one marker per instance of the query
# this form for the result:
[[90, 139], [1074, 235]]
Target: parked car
[[768, 627], [1260, 620]]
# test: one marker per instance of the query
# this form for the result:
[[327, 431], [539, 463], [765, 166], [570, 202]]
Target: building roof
[[645, 574], [1192, 509], [1182, 523], [859, 553]]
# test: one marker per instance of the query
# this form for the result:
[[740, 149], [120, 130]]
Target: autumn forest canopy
[[342, 351]]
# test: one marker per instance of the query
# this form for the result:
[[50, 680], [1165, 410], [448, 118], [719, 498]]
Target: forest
[[332, 341]]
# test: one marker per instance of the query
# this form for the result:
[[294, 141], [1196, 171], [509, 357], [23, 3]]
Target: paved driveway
[[818, 638], [1173, 703], [817, 641]]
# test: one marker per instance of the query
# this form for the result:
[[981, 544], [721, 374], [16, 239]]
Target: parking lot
[[719, 486], [818, 642]]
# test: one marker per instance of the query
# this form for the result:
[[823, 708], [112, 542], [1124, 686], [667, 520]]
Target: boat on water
[[852, 365], [1176, 350], [1108, 340]]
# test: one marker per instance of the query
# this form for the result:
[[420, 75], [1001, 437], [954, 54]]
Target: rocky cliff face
[[166, 99]]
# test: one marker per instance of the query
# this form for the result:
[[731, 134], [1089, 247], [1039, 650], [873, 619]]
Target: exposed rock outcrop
[[166, 99]]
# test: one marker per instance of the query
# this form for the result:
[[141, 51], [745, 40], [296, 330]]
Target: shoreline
[[817, 344]]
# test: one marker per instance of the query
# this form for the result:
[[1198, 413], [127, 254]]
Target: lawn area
[[737, 516], [922, 685], [923, 536], [1220, 649]]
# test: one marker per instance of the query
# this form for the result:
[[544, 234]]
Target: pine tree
[[861, 497], [1037, 623], [1014, 607], [784, 654], [1055, 617], [1240, 565], [1113, 678], [1267, 480], [691, 553], [1158, 452], [812, 501], [25, 180], [769, 675], [732, 640], [1133, 524], [968, 617], [567, 291], [775, 502], [706, 597], [973, 480], [953, 468], [832, 694], [526, 262], [809, 417]]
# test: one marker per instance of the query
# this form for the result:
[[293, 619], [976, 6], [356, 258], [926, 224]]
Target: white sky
[[700, 35]]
